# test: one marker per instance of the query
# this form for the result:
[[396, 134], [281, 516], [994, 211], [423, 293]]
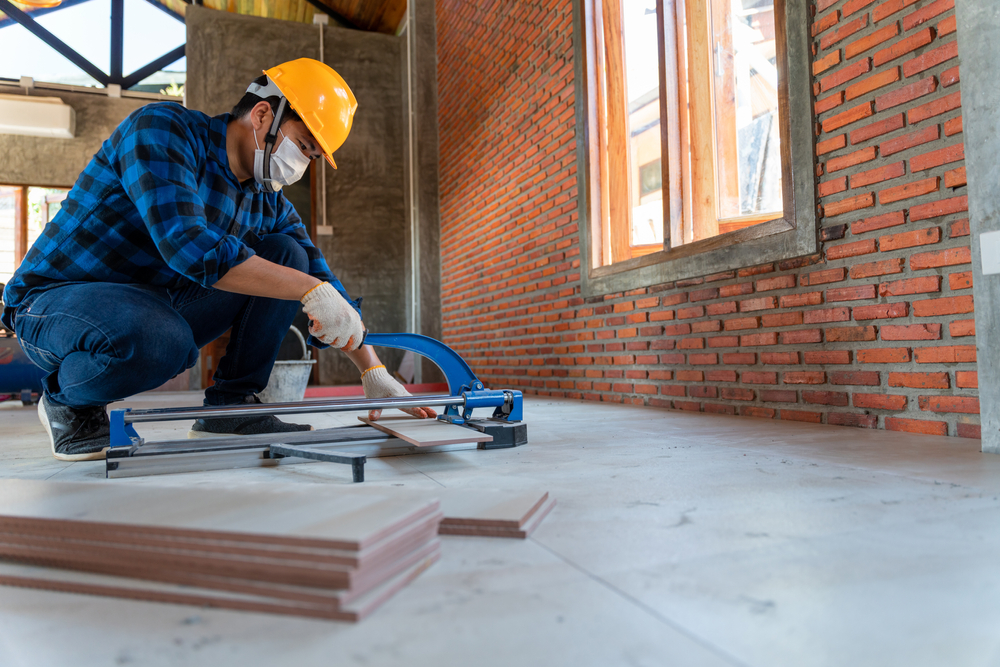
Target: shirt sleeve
[[158, 164], [287, 221]]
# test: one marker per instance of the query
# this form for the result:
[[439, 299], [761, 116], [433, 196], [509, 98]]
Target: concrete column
[[423, 265], [979, 50], [365, 197]]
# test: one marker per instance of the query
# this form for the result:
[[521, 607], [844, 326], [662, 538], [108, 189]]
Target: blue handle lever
[[456, 371]]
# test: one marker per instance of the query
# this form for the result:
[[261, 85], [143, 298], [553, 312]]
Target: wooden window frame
[[794, 234], [20, 222], [20, 225], [21, 217]]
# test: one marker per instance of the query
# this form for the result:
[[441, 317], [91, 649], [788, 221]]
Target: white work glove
[[331, 319], [379, 384]]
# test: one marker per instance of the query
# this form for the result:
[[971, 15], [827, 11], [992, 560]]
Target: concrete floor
[[679, 539]]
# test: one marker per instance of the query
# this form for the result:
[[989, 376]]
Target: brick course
[[874, 331]]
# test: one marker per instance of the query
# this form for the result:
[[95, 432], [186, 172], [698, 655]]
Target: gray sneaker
[[206, 428], [76, 434]]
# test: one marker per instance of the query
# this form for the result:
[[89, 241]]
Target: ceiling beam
[[332, 14], [163, 8]]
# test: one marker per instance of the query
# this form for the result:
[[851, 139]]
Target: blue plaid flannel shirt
[[158, 205]]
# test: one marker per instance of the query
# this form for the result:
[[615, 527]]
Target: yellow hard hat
[[322, 99]]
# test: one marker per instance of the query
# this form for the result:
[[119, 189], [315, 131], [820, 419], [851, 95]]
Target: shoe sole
[[207, 434], [90, 456]]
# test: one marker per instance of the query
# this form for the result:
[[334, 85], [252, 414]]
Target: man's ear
[[258, 115]]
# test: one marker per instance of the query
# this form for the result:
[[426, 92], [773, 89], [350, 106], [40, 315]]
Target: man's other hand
[[379, 384]]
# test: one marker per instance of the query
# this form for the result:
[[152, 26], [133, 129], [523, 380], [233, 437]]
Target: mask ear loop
[[269, 140]]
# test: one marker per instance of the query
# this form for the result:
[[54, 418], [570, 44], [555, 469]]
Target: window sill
[[771, 241], [759, 230]]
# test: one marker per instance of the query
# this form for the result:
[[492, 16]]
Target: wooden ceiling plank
[[392, 15]]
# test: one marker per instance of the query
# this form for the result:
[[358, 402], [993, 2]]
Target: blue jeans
[[102, 342]]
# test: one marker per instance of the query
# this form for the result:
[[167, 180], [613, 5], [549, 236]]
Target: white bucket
[[289, 379]]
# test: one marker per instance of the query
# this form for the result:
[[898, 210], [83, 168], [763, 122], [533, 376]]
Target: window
[[698, 120], [135, 44], [24, 212], [737, 129]]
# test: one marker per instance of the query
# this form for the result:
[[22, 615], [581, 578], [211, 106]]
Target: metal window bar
[[115, 76]]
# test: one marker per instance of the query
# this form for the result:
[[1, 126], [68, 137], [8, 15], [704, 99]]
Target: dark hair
[[249, 101]]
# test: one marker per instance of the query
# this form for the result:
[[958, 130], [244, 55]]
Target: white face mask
[[288, 164]]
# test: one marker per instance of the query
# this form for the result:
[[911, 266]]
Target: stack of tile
[[493, 514], [310, 551]]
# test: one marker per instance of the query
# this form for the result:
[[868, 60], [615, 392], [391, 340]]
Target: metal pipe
[[117, 40], [255, 410]]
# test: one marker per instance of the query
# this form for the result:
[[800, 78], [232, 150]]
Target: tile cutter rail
[[130, 455]]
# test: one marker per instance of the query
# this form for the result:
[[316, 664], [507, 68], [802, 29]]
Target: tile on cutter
[[426, 432]]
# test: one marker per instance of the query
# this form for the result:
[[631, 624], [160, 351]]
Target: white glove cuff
[[378, 383], [321, 291]]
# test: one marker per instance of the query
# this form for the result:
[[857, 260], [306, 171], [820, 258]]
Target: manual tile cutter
[[130, 455]]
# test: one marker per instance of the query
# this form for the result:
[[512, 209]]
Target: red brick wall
[[875, 331]]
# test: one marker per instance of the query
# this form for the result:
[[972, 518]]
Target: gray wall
[[58, 162], [365, 196], [979, 47]]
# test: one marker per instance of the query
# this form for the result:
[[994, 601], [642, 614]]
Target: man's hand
[[379, 384], [331, 319]]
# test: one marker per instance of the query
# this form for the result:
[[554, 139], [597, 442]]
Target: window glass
[[43, 204], [149, 34], [745, 89], [642, 83], [168, 81], [23, 54], [85, 28]]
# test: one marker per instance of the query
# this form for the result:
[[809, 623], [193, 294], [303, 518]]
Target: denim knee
[[283, 249], [163, 349]]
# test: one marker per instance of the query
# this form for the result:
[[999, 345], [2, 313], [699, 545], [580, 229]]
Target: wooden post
[[669, 131], [619, 195], [705, 221], [20, 224], [682, 231], [724, 88]]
